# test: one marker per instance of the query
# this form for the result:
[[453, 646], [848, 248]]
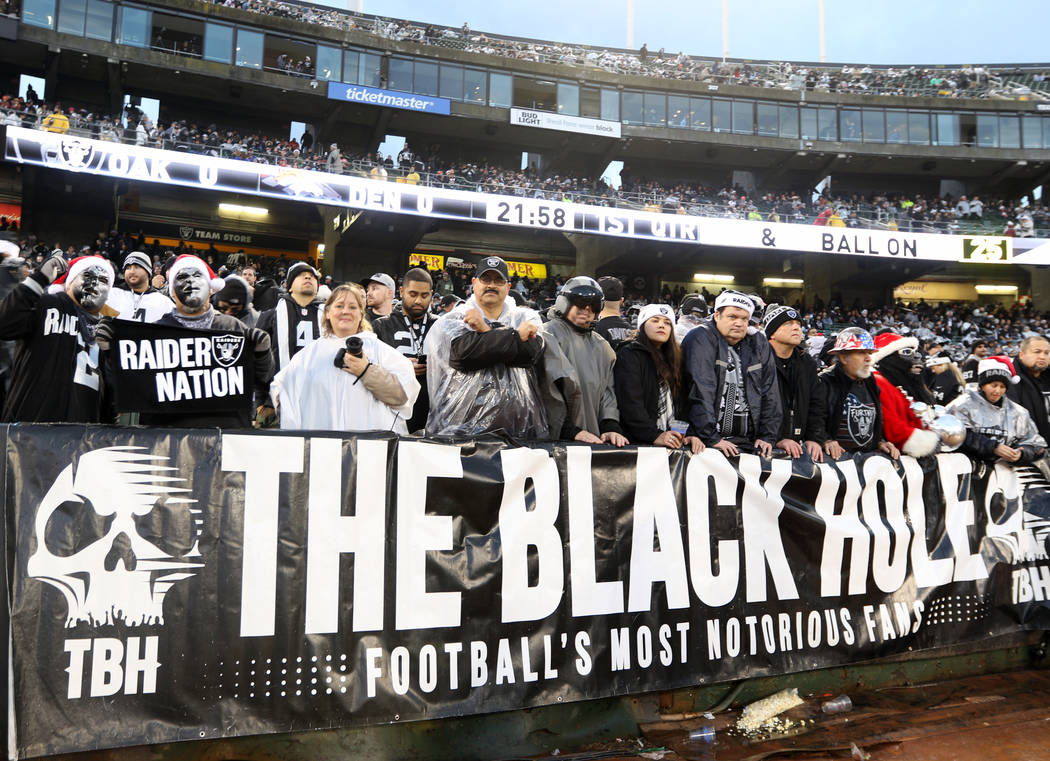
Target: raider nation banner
[[161, 368], [178, 585]]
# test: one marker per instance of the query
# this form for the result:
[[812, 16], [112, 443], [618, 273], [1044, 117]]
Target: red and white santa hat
[[997, 368], [887, 343], [189, 261], [79, 265]]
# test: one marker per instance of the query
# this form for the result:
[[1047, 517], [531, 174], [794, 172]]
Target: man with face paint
[[53, 315], [191, 284]]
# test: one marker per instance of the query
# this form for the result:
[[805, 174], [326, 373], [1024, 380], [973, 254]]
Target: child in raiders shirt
[[55, 377]]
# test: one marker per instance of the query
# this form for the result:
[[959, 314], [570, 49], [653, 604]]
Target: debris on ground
[[762, 713]]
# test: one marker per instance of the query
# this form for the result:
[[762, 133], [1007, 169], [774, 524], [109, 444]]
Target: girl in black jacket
[[648, 377]]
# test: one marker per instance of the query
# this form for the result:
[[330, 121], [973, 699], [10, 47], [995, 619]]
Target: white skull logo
[[104, 566]]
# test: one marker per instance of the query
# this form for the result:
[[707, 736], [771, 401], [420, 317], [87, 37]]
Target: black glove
[[52, 269]]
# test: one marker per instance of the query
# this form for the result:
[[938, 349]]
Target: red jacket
[[900, 426]]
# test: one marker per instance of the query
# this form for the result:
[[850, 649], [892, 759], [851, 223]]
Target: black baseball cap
[[492, 264], [611, 287]]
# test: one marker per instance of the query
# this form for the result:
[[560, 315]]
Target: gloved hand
[[52, 269]]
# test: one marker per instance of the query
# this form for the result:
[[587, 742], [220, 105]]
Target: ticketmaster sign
[[389, 98]]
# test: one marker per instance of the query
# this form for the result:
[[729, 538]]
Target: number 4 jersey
[[55, 377]]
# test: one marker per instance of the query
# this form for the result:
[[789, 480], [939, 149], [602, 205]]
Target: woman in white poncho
[[374, 391]]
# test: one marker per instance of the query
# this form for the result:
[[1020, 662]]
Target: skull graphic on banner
[[114, 534]]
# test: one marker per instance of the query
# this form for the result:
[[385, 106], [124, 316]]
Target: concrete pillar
[[595, 251], [1040, 284]]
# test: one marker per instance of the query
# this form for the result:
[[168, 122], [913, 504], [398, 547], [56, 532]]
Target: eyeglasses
[[908, 352]]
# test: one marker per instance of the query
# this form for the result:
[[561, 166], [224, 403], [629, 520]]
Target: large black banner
[[179, 585]]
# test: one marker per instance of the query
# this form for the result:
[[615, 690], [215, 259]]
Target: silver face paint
[[191, 288], [91, 288]]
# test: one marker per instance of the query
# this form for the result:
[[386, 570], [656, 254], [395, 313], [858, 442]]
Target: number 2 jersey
[[55, 378]]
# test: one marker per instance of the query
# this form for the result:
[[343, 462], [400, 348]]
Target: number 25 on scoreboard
[[986, 249]]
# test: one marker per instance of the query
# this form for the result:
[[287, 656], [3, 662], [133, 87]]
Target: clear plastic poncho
[[493, 398]]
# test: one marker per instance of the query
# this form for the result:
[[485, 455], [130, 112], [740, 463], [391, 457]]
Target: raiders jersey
[[148, 306], [407, 337], [55, 378], [291, 327]]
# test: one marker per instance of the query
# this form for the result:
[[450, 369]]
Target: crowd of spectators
[[584, 364], [891, 211], [968, 81]]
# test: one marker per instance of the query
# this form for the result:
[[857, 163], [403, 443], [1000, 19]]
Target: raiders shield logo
[[72, 154], [227, 349], [185, 232], [492, 262]]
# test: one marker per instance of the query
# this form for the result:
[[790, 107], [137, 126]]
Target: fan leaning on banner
[[997, 428], [578, 364], [347, 380], [854, 414], [55, 378], [733, 398], [801, 398], [482, 362]]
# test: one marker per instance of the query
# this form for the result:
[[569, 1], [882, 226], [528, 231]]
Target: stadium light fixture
[[995, 288], [708, 278], [252, 211], [782, 281]]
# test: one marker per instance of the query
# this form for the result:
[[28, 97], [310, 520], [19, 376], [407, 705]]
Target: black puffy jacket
[[637, 392], [706, 359]]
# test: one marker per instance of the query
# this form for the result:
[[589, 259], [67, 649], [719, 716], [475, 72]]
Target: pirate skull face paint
[[90, 288], [191, 288]]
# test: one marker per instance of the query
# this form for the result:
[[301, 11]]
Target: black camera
[[353, 348]]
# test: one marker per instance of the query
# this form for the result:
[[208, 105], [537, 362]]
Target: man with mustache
[[53, 314], [854, 419], [481, 363]]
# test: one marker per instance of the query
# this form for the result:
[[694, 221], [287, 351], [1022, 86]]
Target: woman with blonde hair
[[347, 380]]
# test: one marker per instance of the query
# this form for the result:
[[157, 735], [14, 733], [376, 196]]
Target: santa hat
[[79, 265], [189, 261], [997, 368], [889, 343]]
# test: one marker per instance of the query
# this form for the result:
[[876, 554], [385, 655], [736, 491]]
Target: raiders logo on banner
[[159, 368], [227, 349]]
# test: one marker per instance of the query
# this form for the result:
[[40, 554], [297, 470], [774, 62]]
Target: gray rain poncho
[[484, 382]]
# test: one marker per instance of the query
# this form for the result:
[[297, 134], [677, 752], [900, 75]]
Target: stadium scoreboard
[[206, 172]]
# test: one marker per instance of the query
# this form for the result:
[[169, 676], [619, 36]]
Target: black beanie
[[777, 316], [297, 269], [236, 289]]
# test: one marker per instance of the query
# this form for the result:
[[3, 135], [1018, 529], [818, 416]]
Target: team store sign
[[164, 581], [78, 154]]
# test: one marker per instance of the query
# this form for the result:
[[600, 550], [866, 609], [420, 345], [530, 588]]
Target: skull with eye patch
[[113, 534]]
